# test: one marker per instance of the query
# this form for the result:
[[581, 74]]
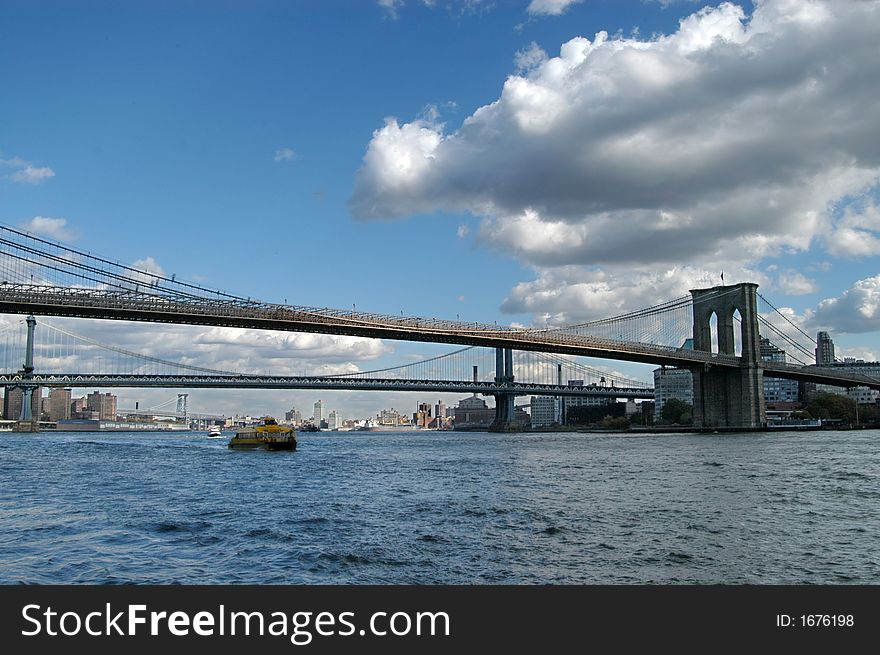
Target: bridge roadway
[[138, 305], [303, 382]]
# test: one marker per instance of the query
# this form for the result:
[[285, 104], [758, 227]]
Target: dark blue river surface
[[442, 507]]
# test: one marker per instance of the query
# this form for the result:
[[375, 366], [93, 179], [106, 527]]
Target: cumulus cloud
[[25, 172], [567, 295], [54, 228], [731, 139], [856, 310], [284, 154], [550, 7], [793, 283], [856, 232]]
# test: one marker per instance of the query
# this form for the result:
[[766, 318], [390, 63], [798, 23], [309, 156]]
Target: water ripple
[[456, 508]]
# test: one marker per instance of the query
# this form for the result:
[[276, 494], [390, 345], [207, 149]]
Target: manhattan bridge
[[715, 333]]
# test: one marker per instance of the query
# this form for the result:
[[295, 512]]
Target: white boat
[[214, 432]]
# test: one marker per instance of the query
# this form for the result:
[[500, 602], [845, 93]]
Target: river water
[[442, 507]]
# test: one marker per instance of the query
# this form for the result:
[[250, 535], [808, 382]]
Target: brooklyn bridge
[[715, 333]]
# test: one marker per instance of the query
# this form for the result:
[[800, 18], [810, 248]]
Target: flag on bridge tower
[[722, 276]]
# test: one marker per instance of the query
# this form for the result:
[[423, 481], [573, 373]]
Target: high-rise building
[[79, 408], [777, 390], [824, 349], [672, 383], [59, 404], [334, 420], [294, 416], [319, 412], [440, 409], [104, 404], [544, 411]]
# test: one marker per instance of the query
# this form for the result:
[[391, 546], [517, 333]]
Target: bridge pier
[[723, 397], [505, 412]]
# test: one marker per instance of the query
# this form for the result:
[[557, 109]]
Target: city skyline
[[432, 137]]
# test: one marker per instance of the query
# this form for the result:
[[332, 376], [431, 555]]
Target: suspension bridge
[[724, 325], [61, 358]]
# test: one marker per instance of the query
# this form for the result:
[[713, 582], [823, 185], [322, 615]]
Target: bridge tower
[[26, 421], [505, 412], [725, 397], [181, 405]]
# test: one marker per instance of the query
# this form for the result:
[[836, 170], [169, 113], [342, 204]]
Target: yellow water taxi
[[265, 434]]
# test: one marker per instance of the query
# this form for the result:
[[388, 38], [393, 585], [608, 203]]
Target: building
[[422, 416], [672, 383], [777, 390], [319, 413], [293, 417], [473, 413], [334, 420], [79, 409], [12, 401], [862, 395], [582, 401], [391, 417], [824, 349], [103, 404], [59, 404], [440, 410], [544, 411]]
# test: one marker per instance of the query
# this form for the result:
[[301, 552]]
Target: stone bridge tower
[[728, 397]]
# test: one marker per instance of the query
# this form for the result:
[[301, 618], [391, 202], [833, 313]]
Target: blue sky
[[267, 149]]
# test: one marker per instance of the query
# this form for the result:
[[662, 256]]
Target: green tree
[[615, 423], [677, 411], [832, 405], [593, 414]]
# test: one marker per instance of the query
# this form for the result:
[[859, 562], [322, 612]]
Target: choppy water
[[442, 508]]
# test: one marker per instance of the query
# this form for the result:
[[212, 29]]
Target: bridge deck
[[139, 305]]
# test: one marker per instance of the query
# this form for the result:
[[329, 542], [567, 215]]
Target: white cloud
[[856, 310], [856, 352], [463, 231], [54, 228], [235, 350], [730, 140], [550, 7], [529, 58], [32, 174], [856, 232], [25, 172], [391, 6], [571, 294], [794, 283], [284, 154], [149, 265]]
